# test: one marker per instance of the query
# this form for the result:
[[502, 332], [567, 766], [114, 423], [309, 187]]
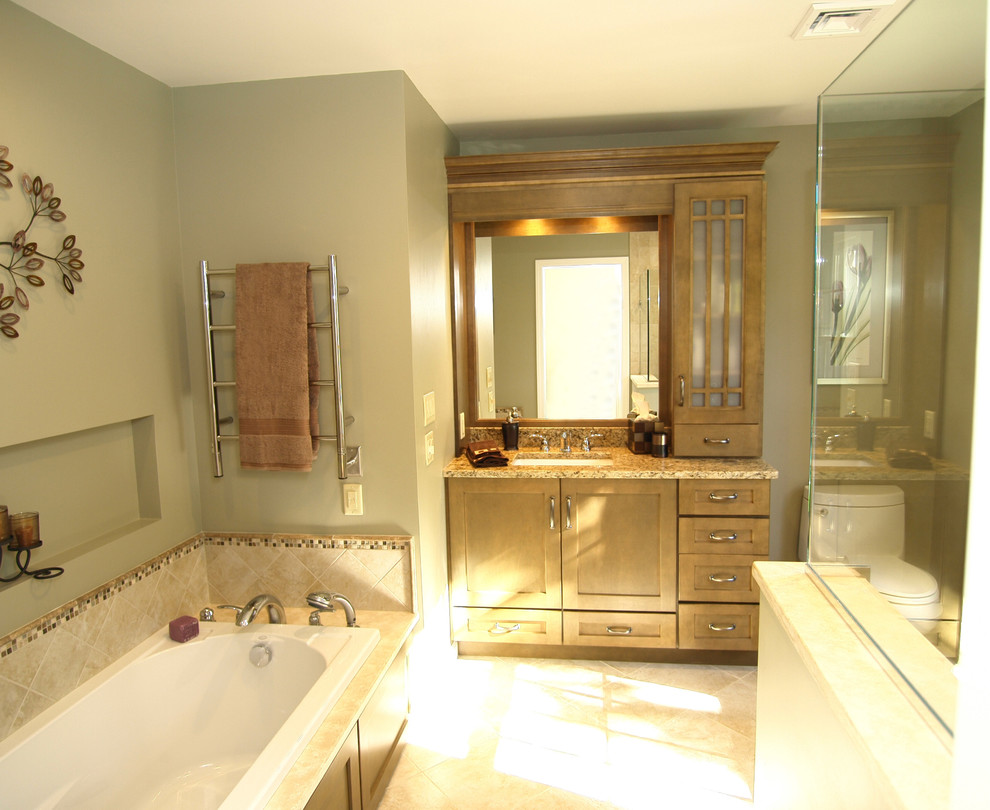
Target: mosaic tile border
[[66, 613], [353, 541]]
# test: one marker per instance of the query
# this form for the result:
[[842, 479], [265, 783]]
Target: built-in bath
[[215, 722]]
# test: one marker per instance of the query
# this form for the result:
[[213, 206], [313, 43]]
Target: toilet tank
[[852, 522]]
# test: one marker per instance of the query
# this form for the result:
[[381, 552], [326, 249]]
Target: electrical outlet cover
[[429, 449]]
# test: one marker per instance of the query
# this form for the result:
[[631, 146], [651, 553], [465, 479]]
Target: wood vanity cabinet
[[722, 529], [531, 559], [717, 318]]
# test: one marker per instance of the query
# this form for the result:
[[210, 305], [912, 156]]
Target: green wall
[[85, 367]]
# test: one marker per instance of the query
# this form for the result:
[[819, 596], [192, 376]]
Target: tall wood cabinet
[[717, 313]]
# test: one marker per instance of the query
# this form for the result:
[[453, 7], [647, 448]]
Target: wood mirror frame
[[579, 191]]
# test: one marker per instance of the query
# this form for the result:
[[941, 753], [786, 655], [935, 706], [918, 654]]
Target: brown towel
[[277, 407], [485, 454]]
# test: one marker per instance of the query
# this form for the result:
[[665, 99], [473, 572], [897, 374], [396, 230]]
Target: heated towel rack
[[340, 421]]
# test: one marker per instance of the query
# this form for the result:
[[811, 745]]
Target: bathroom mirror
[[607, 308], [900, 145]]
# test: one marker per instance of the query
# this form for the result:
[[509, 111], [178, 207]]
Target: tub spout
[[248, 613], [322, 600]]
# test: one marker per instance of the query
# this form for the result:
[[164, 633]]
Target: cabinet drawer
[[611, 629], [724, 496], [507, 625], [718, 627], [718, 441], [717, 578], [723, 535]]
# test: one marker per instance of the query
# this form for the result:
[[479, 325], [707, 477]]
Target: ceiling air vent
[[838, 19]]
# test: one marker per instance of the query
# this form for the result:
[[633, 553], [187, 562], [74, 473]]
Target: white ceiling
[[517, 68]]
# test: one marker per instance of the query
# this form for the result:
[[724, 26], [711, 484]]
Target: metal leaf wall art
[[26, 259]]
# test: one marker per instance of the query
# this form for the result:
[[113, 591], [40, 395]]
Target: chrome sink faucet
[[565, 443], [324, 602], [248, 613]]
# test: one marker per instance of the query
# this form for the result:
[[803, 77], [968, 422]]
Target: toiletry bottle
[[510, 430]]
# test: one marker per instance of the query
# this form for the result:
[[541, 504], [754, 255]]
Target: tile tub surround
[[373, 572], [625, 464], [45, 660]]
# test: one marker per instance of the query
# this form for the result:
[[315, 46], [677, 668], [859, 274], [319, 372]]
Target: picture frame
[[854, 288]]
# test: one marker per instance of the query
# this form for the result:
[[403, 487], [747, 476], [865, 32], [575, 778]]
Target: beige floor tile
[[589, 735]]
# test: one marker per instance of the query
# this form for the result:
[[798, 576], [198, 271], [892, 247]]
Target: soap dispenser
[[510, 430]]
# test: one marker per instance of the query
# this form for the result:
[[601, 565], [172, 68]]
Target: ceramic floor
[[512, 733]]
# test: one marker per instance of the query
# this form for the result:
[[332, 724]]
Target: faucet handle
[[586, 441]]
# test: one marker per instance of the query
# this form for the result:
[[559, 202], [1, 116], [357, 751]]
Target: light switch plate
[[353, 499], [429, 409], [929, 424], [460, 425], [430, 452]]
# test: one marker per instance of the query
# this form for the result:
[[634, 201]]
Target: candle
[[26, 531], [4, 523]]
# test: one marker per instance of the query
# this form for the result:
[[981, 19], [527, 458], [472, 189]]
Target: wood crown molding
[[606, 165]]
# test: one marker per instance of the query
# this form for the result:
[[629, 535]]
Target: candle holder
[[20, 533]]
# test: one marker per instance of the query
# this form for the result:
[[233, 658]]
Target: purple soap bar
[[183, 628]]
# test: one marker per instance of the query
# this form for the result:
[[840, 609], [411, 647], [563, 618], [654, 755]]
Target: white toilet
[[864, 525]]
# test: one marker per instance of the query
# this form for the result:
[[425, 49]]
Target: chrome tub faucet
[[248, 613], [324, 601]]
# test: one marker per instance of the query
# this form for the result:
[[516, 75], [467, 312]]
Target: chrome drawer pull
[[722, 577], [721, 628], [567, 520], [725, 496], [717, 441], [680, 380], [618, 631], [499, 630], [553, 510], [722, 538]]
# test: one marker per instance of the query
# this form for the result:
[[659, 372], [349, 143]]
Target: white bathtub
[[181, 726]]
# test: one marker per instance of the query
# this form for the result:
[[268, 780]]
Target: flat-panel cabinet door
[[718, 306], [619, 541], [504, 542]]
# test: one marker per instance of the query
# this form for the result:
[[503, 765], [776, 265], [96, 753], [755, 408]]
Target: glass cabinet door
[[717, 308]]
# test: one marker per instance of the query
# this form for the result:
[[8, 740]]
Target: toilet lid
[[900, 581]]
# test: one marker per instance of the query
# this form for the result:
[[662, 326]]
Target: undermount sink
[[844, 462], [576, 459]]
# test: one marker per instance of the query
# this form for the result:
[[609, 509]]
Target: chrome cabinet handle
[[723, 496], [553, 512], [680, 381], [722, 577], [722, 538], [721, 628], [717, 441], [501, 630], [618, 631], [567, 517]]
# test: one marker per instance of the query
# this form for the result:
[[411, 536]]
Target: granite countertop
[[625, 464], [872, 465], [303, 778]]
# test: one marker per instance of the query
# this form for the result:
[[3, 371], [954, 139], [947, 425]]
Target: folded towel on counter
[[276, 357], [485, 454]]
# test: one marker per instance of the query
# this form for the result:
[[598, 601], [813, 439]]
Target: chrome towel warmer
[[213, 384]]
